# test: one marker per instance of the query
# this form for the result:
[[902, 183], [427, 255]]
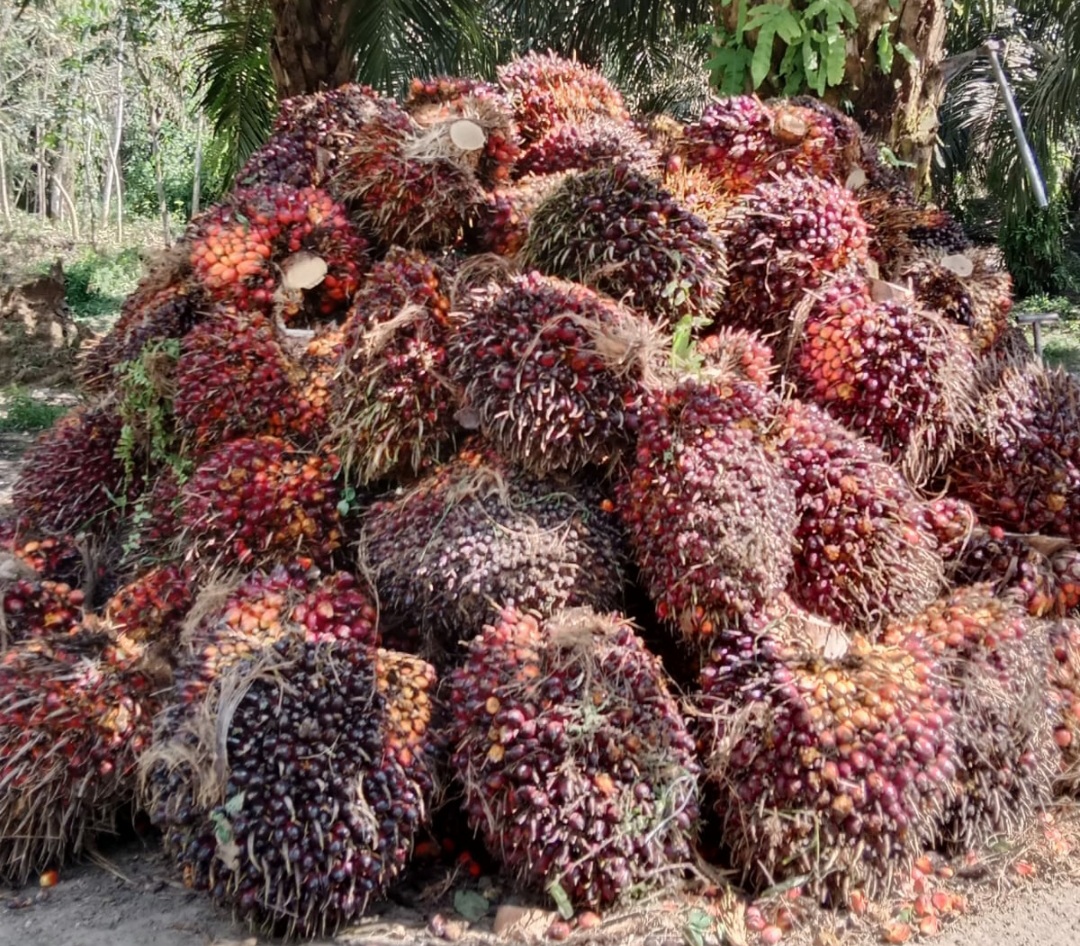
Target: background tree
[[978, 171]]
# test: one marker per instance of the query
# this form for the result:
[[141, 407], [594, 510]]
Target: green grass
[[98, 282], [20, 412], [1061, 342]]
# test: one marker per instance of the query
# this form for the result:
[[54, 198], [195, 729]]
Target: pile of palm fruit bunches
[[388, 472]]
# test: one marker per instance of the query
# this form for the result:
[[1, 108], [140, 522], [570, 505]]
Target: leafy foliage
[[21, 412], [98, 281], [813, 40]]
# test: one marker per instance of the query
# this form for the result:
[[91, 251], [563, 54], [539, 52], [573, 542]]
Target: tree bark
[[196, 181], [901, 108], [159, 174], [310, 49], [5, 205], [112, 173]]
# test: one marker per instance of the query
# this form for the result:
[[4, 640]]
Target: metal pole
[[1026, 154]]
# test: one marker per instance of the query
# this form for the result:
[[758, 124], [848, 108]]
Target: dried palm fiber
[[478, 533], [833, 758], [707, 504], [862, 551], [576, 764], [617, 230], [996, 662]]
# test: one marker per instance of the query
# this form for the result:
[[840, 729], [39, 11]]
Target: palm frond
[[237, 86]]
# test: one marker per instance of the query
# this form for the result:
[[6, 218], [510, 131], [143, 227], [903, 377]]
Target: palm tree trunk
[[900, 108], [310, 49]]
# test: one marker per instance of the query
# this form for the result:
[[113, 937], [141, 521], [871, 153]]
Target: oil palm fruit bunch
[[393, 401], [732, 141], [738, 352], [547, 90], [900, 376], [577, 767], [302, 813], [1064, 681], [787, 236], [309, 135], [151, 607], [1012, 567], [40, 555], [242, 252], [75, 713], [597, 141], [951, 522], [168, 311], [72, 477], [1020, 464], [618, 231], [708, 508], [444, 100], [996, 662], [255, 499], [973, 290], [478, 530], [1066, 565], [742, 141], [411, 186], [38, 608], [500, 224], [268, 605], [861, 550], [553, 371], [903, 229], [832, 763], [233, 379]]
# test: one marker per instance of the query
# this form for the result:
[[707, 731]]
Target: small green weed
[[98, 282], [20, 412]]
